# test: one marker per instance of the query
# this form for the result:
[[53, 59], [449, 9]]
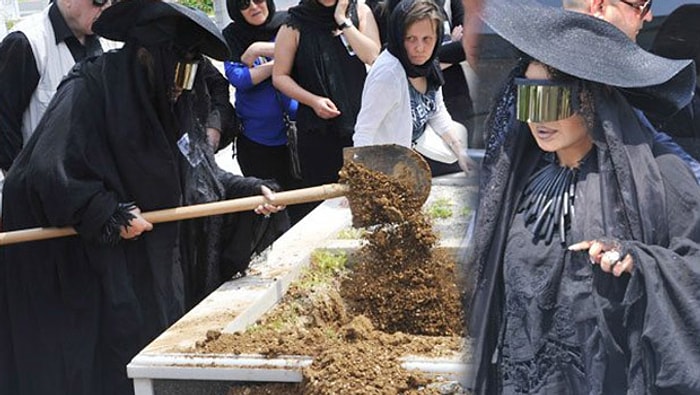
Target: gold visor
[[185, 73], [544, 100]]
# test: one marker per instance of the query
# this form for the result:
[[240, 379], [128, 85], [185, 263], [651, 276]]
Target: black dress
[[542, 319]]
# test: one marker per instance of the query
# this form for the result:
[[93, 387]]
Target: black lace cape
[[649, 200]]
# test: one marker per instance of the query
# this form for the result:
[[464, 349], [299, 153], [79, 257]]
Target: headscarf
[[395, 45], [239, 34]]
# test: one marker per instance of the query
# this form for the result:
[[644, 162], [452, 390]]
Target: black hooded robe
[[76, 310]]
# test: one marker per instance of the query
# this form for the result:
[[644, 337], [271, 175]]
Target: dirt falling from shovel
[[400, 282], [399, 298]]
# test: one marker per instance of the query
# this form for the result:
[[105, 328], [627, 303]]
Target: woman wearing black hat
[[261, 147], [125, 133], [586, 245], [321, 55]]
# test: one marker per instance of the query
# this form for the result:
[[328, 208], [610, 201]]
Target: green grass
[[10, 23], [203, 5], [466, 211], [325, 265], [350, 234], [439, 209]]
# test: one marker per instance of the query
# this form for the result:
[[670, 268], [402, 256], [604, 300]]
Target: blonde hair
[[424, 9]]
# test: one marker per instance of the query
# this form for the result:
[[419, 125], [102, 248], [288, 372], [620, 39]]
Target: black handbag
[[290, 127], [294, 164]]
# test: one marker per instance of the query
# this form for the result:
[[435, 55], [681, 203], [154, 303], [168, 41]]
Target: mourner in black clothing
[[123, 134], [321, 57], [586, 246]]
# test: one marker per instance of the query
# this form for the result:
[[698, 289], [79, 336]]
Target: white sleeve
[[441, 121], [378, 100]]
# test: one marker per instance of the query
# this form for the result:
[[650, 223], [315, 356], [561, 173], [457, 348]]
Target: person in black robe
[[121, 135], [586, 243]]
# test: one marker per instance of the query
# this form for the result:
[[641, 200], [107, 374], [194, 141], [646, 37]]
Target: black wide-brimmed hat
[[592, 49], [679, 34], [138, 19]]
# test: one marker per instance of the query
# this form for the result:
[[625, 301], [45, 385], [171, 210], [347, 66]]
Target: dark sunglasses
[[244, 4], [642, 6]]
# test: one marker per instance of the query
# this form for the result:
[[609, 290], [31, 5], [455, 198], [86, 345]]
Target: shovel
[[398, 162]]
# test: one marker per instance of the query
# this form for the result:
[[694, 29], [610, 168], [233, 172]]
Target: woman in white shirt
[[402, 96]]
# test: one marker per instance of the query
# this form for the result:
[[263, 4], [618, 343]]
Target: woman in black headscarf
[[402, 97], [261, 146], [125, 133], [321, 55], [586, 245]]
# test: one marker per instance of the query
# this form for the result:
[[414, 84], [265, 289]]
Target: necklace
[[548, 200]]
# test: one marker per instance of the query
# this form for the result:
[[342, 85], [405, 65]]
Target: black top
[[549, 341], [19, 74], [325, 67]]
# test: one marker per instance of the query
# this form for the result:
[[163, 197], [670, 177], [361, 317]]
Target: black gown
[[568, 326]]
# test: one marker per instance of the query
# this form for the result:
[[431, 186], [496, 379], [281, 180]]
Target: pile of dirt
[[399, 297]]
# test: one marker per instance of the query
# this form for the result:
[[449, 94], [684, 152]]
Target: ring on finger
[[613, 257]]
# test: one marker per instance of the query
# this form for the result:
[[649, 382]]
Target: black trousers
[[321, 157], [268, 162]]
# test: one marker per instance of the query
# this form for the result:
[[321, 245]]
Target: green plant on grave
[[10, 23], [466, 211], [325, 265], [351, 233], [203, 5], [286, 318], [331, 333], [439, 209]]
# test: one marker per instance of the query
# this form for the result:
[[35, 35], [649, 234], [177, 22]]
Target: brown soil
[[399, 298]]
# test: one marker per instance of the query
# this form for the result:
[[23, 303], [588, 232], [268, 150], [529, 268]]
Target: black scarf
[[315, 16], [395, 45], [239, 34]]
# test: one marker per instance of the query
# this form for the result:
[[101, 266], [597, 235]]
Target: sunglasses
[[244, 4], [545, 100], [642, 6]]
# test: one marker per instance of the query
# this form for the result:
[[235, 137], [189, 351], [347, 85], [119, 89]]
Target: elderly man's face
[[80, 15], [626, 15]]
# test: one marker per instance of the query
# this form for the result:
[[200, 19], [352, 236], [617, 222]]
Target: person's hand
[[607, 253], [213, 137], [253, 52], [466, 163], [325, 108], [268, 207], [136, 227], [341, 8], [457, 33]]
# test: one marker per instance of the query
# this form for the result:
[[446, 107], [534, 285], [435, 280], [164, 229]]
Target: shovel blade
[[401, 163]]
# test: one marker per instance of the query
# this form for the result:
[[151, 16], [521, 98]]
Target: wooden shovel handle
[[286, 198]]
